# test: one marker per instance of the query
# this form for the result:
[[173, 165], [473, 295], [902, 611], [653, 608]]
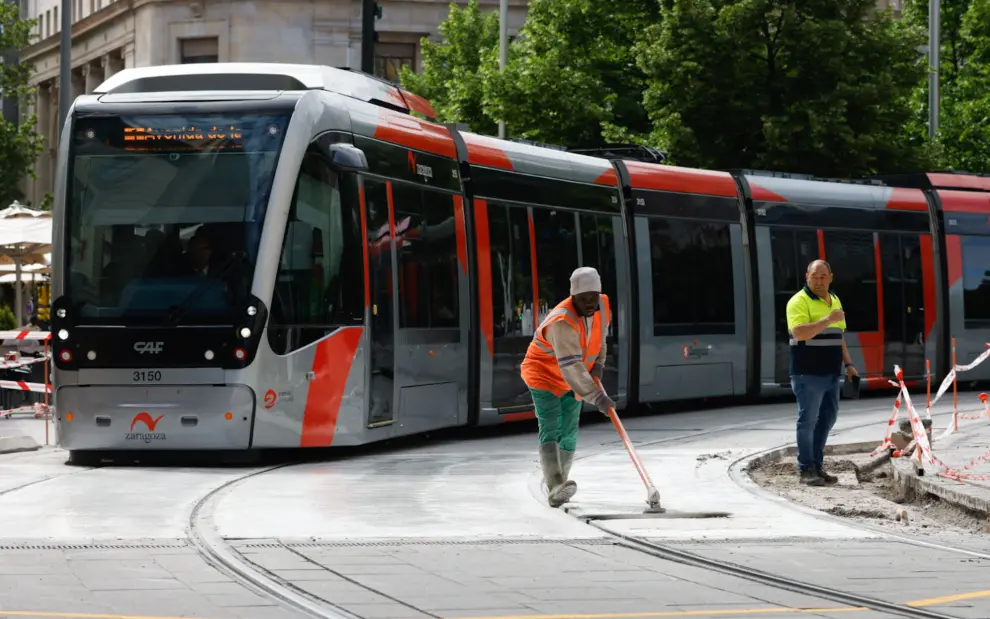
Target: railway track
[[220, 554]]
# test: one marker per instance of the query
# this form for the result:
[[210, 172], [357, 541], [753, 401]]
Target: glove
[[603, 402], [597, 369]]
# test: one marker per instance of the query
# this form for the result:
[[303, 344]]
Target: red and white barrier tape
[[886, 444], [9, 365], [19, 385], [25, 335], [921, 440], [38, 410], [951, 376], [917, 427]]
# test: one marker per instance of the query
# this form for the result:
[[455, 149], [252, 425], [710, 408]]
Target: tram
[[252, 256]]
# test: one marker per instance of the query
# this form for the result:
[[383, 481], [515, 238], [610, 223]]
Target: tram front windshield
[[164, 215]]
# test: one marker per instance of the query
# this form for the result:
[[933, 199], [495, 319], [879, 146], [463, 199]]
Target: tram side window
[[854, 277], [426, 241], [320, 281], [512, 273], [556, 255], [693, 290], [976, 281], [598, 251], [791, 251]]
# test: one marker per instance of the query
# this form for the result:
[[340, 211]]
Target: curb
[[905, 477], [777, 455], [15, 444]]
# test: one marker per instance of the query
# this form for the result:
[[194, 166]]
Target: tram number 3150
[[149, 376]]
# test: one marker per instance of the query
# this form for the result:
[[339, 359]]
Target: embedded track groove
[[669, 553], [218, 554]]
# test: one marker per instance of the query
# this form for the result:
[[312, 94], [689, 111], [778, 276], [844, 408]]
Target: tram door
[[382, 329], [903, 303]]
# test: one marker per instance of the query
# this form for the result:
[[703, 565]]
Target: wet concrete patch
[[670, 514]]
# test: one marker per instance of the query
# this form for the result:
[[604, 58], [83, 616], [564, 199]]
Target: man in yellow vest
[[566, 355], [816, 322]]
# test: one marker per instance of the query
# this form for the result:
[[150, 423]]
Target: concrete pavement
[[454, 529]]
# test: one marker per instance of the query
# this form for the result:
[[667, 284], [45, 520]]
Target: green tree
[[963, 140], [817, 86], [451, 78], [20, 144], [572, 77]]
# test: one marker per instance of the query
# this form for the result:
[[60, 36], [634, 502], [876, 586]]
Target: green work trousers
[[558, 418]]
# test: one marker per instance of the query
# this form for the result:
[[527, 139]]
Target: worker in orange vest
[[566, 354]]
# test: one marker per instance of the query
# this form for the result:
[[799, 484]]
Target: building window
[[196, 51], [391, 57], [693, 290]]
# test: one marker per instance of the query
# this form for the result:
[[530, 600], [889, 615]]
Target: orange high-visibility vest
[[540, 369]]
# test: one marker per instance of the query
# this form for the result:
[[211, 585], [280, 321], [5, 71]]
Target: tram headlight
[[252, 310], [60, 313], [245, 332], [63, 334]]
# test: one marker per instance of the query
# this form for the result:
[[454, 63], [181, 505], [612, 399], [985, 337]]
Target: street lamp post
[[503, 47], [65, 64], [934, 45]]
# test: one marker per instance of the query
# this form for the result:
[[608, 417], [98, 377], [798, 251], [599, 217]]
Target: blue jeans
[[818, 408]]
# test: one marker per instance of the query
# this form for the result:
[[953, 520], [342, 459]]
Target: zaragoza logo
[[150, 424]]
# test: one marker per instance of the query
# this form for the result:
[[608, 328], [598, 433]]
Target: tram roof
[[245, 76], [801, 189]]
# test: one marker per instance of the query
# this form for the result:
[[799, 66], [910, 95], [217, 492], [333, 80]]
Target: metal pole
[[934, 47], [503, 47], [368, 37], [65, 65]]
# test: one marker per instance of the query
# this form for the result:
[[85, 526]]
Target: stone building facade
[[111, 35]]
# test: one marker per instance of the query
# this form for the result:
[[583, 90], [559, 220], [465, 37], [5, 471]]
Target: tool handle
[[628, 444]]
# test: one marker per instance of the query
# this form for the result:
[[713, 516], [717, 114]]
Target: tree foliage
[[572, 76], [20, 144], [963, 140], [451, 77], [828, 87], [819, 86]]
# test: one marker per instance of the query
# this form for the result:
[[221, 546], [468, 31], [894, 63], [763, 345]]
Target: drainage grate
[[426, 542], [96, 546]]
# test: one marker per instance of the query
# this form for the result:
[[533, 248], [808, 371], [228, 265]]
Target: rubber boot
[[566, 459], [559, 490]]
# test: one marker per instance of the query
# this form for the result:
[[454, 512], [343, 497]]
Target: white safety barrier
[[923, 447], [38, 409], [952, 379], [25, 335]]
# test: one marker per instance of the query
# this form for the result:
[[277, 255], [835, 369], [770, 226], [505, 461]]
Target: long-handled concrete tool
[[652, 494]]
